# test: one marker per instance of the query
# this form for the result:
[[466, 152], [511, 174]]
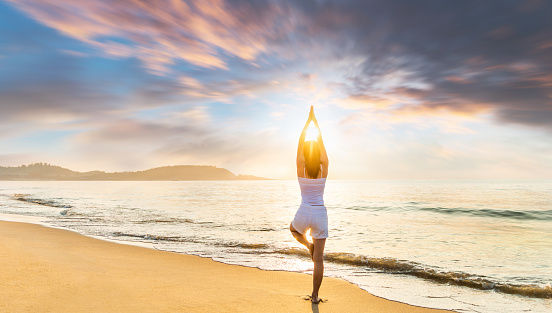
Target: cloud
[[186, 137], [132, 143], [161, 33], [17, 159], [51, 86], [463, 56], [57, 86], [227, 89]]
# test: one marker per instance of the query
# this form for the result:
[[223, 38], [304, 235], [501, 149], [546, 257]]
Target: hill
[[44, 171]]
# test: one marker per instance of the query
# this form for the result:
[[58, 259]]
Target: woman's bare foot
[[315, 300], [311, 250]]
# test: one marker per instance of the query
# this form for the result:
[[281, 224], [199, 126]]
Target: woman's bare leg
[[302, 239], [318, 273]]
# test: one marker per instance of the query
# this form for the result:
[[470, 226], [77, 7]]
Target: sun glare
[[308, 235], [312, 132]]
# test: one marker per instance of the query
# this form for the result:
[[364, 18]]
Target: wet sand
[[45, 269]]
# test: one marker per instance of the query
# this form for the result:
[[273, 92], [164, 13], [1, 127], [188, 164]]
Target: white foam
[[23, 219], [43, 221]]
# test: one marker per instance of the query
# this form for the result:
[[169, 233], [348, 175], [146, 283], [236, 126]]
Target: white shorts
[[312, 217]]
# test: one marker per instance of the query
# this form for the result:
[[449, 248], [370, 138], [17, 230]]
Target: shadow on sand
[[314, 307]]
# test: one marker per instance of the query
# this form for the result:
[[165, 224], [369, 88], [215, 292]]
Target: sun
[[312, 132]]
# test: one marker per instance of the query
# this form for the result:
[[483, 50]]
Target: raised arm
[[323, 154], [300, 155]]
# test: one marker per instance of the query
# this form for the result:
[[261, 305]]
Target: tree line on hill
[[44, 171]]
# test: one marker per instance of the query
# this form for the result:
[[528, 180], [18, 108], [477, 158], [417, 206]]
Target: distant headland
[[44, 171]]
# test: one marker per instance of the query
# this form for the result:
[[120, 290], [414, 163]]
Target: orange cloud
[[160, 34], [428, 104], [359, 101], [458, 79]]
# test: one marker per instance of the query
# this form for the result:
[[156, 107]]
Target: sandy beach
[[45, 269]]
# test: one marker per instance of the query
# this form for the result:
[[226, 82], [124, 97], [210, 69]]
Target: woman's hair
[[311, 151]]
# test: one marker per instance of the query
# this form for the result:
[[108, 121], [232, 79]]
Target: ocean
[[464, 245]]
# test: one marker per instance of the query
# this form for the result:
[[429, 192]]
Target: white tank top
[[312, 190]]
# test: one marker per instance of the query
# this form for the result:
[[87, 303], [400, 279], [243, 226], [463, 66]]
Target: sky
[[402, 89]]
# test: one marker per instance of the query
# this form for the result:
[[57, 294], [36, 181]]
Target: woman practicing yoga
[[312, 170]]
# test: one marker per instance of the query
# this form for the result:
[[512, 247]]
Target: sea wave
[[510, 214], [151, 237], [394, 266], [168, 220], [543, 215], [39, 201], [385, 265]]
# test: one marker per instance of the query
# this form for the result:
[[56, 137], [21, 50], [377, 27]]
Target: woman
[[312, 170]]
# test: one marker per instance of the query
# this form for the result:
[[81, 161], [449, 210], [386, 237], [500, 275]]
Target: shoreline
[[41, 221], [58, 270]]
